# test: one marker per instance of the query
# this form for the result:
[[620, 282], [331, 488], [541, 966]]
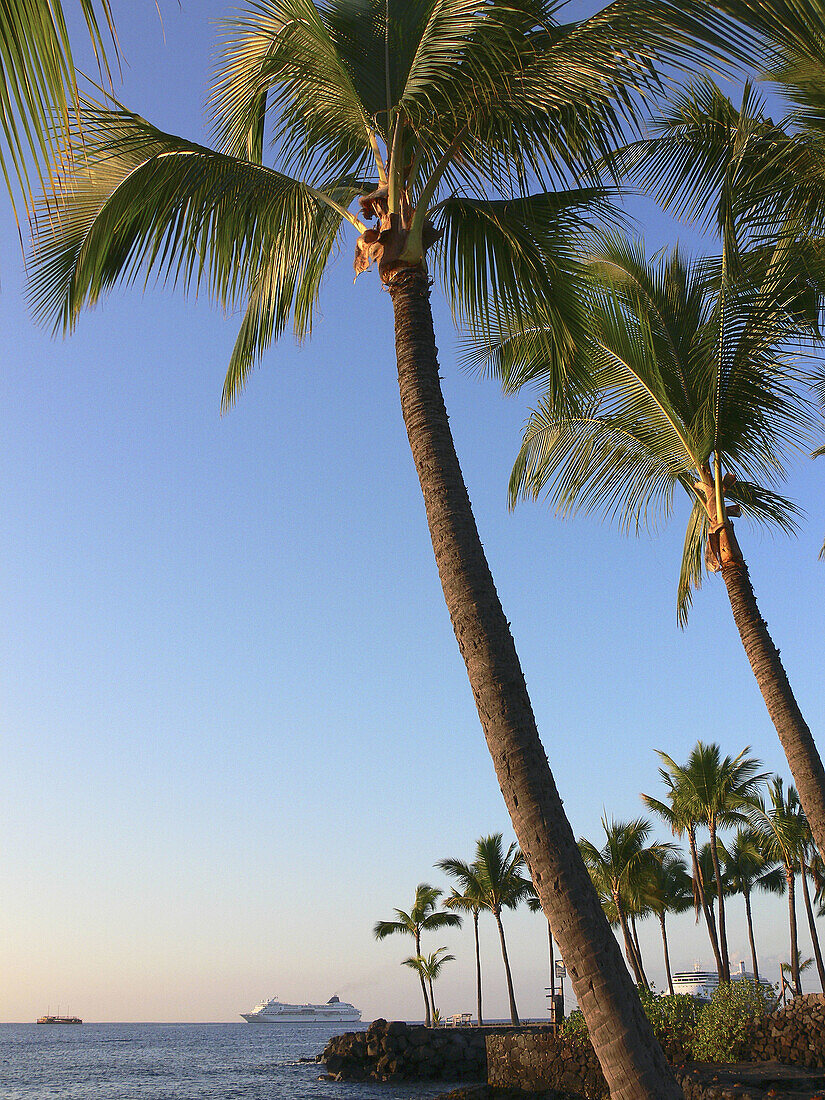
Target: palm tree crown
[[689, 373], [619, 871]]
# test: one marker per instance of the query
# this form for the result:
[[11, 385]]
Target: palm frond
[[141, 201], [498, 259], [38, 92]]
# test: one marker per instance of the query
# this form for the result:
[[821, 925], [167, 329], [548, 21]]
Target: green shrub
[[574, 1027], [723, 1025], [673, 1020]]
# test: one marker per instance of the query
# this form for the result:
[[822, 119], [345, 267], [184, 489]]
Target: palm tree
[[694, 387], [619, 869], [428, 967], [470, 902], [679, 815], [782, 830], [494, 877], [668, 889], [433, 114], [422, 917], [747, 868], [38, 90], [796, 967], [762, 184], [716, 790]]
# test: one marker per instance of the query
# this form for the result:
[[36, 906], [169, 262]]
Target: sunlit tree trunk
[[478, 969], [510, 992], [631, 1058], [699, 891], [427, 1018], [747, 894], [645, 982], [795, 978], [797, 741], [720, 895], [629, 946], [667, 955], [806, 894]]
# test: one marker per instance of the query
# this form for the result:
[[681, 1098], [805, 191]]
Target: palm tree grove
[[613, 213]]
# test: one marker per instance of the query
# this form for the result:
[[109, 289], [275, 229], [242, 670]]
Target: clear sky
[[236, 729]]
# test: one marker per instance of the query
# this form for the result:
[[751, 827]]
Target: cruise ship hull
[[273, 1011], [302, 1017]]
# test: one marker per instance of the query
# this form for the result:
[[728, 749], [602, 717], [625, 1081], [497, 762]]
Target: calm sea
[[177, 1062]]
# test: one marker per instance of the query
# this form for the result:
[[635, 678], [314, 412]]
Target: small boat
[[274, 1011], [60, 1020]]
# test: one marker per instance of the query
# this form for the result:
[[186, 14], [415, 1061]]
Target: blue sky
[[236, 728]]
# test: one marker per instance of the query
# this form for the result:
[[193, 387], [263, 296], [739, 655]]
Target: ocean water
[[179, 1062]]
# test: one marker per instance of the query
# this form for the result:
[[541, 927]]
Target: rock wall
[[794, 1035], [536, 1063], [389, 1051]]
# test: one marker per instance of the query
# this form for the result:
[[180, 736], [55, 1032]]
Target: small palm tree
[[422, 917], [747, 868], [668, 889], [782, 831], [619, 871], [428, 968], [790, 972], [470, 902], [495, 878]]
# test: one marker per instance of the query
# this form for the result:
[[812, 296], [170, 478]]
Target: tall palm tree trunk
[[510, 994], [629, 946], [806, 894], [797, 981], [797, 741], [631, 1058], [427, 1019], [720, 894], [432, 999], [749, 917], [667, 954], [478, 970], [636, 944], [699, 891]]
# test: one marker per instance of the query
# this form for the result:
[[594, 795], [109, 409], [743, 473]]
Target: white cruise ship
[[702, 983], [274, 1012]]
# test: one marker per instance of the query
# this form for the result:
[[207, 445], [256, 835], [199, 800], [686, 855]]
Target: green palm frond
[[500, 259], [146, 202], [494, 879], [681, 367], [38, 93], [780, 825], [280, 59], [693, 560]]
